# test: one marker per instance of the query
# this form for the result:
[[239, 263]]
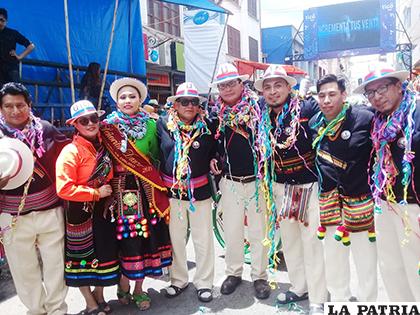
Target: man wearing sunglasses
[[40, 223], [395, 181], [9, 59], [187, 145], [238, 115]]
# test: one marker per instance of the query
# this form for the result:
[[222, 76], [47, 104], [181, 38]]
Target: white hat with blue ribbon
[[82, 108]]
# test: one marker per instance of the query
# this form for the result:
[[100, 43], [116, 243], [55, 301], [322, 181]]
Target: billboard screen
[[353, 28]]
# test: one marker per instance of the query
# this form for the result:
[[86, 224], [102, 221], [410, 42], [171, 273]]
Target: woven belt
[[241, 179]]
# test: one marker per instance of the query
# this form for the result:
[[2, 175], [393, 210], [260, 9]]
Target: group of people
[[133, 187]]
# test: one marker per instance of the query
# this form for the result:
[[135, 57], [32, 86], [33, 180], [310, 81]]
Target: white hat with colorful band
[[227, 72], [274, 71], [186, 89], [378, 74]]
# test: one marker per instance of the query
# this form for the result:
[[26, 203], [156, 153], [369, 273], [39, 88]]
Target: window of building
[[164, 17], [252, 8], [234, 42], [253, 49]]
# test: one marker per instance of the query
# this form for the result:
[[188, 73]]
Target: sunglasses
[[2, 20], [84, 121], [185, 101]]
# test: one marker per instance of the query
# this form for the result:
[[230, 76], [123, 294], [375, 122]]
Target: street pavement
[[242, 301]]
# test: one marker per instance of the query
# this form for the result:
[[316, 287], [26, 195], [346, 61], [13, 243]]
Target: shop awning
[[249, 67]]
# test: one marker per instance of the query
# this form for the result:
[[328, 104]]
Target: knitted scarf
[[135, 127]]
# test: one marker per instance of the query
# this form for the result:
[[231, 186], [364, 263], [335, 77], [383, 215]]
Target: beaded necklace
[[133, 127], [385, 131], [184, 136]]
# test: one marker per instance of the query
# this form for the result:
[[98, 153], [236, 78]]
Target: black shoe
[[262, 289], [203, 297], [230, 284]]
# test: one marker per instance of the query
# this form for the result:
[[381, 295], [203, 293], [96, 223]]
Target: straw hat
[[16, 161], [381, 74], [82, 108], [186, 89], [274, 71], [227, 72], [119, 83]]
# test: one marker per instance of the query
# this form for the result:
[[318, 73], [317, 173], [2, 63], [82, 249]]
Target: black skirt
[[91, 254], [143, 237]]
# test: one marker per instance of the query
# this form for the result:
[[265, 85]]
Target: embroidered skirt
[[91, 253], [354, 213], [143, 237]]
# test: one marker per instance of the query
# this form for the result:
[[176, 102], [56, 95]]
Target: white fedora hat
[[186, 89], [16, 161], [274, 71], [119, 83], [381, 73], [82, 108], [227, 72]]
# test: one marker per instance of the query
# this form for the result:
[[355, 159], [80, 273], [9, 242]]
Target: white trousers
[[41, 291], [398, 236], [236, 200], [337, 266], [202, 236], [302, 250]]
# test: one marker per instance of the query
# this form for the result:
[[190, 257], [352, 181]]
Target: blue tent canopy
[[90, 22]]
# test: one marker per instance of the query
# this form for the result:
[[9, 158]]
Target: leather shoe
[[230, 284], [262, 289]]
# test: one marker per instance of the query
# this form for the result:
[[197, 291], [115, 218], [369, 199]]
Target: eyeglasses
[[185, 101], [2, 20], [84, 121], [380, 90], [229, 84]]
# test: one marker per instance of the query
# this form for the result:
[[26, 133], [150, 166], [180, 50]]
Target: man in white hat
[[31, 214], [295, 176], [238, 114], [343, 148], [396, 180], [186, 147]]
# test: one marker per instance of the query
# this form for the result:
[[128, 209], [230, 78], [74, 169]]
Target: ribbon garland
[[31, 134], [385, 130], [326, 128], [184, 136]]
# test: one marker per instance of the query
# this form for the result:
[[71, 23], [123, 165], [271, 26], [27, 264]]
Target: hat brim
[[173, 98], [27, 166], [259, 83], [71, 121], [119, 83], [400, 75], [243, 78]]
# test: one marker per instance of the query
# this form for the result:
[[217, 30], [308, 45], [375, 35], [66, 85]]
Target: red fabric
[[249, 67]]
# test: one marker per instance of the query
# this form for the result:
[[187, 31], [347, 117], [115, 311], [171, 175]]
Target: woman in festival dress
[[140, 205], [84, 169]]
